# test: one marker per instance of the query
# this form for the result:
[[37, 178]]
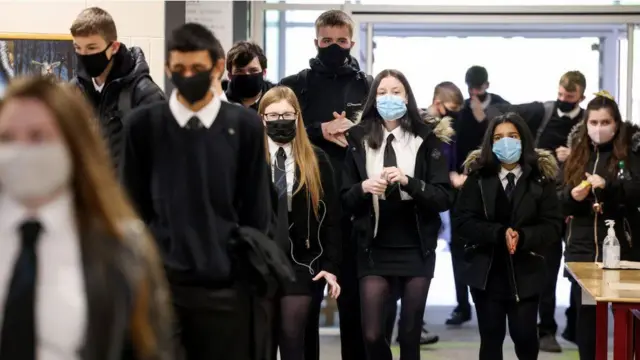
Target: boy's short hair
[[448, 92], [95, 21], [191, 37], [241, 54], [334, 18], [476, 76], [571, 80]]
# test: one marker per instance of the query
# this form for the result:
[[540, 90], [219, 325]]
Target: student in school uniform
[[396, 183], [604, 152], [80, 278], [195, 167], [507, 212], [246, 69], [308, 216]]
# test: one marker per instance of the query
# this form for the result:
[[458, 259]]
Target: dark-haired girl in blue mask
[[507, 211], [396, 183]]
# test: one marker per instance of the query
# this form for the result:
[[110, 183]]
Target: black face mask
[[95, 64], [333, 56], [246, 86], [450, 113], [193, 88], [482, 97], [281, 131], [565, 106]]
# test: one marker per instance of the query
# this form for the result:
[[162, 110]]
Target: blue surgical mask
[[391, 107], [508, 150]]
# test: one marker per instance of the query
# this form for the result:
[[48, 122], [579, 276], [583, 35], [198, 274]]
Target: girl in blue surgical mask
[[395, 185], [507, 211]]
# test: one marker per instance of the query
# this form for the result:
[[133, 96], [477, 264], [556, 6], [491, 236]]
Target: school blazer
[[535, 215]]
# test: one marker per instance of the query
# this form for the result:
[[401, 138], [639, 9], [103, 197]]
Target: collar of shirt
[[273, 149], [223, 97], [487, 101], [517, 171], [96, 86], [182, 114], [399, 135], [56, 215], [571, 114]]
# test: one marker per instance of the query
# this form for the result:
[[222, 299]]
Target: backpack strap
[[368, 82], [549, 106]]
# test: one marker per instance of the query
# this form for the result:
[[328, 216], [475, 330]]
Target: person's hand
[[374, 186], [340, 123], [340, 140], [394, 175], [334, 288], [563, 153], [597, 182], [512, 238], [477, 109], [580, 192], [457, 180]]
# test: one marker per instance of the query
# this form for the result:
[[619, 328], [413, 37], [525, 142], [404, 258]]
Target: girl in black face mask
[[307, 208]]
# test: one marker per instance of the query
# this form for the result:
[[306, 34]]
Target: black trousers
[[225, 321], [457, 261], [585, 325], [493, 315], [547, 308]]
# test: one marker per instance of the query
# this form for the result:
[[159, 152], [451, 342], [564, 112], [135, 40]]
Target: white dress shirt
[[571, 114], [96, 86], [517, 171], [182, 114], [61, 304], [289, 163]]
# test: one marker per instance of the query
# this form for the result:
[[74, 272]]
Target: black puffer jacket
[[130, 73], [619, 199]]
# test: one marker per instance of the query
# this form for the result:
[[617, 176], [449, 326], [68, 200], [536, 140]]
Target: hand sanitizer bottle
[[611, 248]]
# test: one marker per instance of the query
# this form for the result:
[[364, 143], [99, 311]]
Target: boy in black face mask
[[195, 168], [551, 122], [331, 92], [246, 68], [114, 79]]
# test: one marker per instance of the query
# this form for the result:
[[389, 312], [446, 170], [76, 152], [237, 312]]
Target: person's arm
[[331, 238], [469, 216], [434, 192], [147, 92], [135, 161], [253, 187], [352, 195], [548, 227]]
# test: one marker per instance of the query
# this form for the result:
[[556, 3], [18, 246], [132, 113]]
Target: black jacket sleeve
[[147, 92], [314, 130], [254, 194], [571, 207], [135, 162], [470, 217], [331, 240], [434, 192], [352, 195], [626, 192], [548, 228]]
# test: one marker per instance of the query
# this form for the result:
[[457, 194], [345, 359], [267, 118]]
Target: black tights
[[294, 312], [374, 297]]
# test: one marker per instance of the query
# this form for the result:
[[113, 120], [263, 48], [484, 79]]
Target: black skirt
[[303, 284]]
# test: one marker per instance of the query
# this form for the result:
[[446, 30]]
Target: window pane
[[303, 16], [519, 75], [300, 48], [492, 2], [271, 16], [272, 51], [622, 90]]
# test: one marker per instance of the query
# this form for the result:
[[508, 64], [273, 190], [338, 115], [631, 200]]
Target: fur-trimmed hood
[[634, 133], [547, 164], [442, 128]]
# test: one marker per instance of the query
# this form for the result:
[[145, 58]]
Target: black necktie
[[393, 190], [280, 174], [18, 340], [511, 184], [194, 123]]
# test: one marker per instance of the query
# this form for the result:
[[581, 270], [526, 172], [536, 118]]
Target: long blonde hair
[[303, 153], [99, 201]]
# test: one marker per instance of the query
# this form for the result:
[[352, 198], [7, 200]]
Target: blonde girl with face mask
[[601, 183]]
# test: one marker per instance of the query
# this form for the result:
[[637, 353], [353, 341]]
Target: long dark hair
[[373, 122], [581, 146], [487, 161]]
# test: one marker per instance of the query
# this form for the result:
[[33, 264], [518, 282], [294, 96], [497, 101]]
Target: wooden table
[[621, 289]]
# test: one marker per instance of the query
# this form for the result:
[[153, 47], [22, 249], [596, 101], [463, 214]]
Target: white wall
[[139, 23]]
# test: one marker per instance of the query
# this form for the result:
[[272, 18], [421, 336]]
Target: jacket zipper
[[513, 277], [424, 251], [536, 255], [486, 215], [595, 219], [570, 230]]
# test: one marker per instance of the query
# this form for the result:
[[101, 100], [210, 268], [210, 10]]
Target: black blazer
[[430, 188], [323, 232], [536, 216]]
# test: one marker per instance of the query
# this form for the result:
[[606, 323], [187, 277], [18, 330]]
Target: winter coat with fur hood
[[619, 201], [534, 214]]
